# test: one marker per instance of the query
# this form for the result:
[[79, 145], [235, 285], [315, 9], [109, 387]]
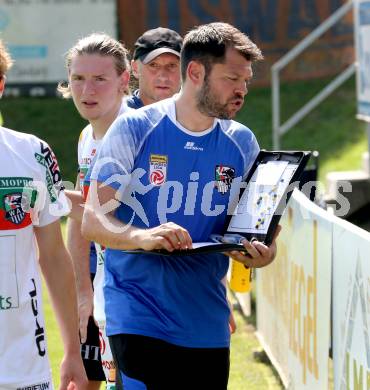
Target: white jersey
[[29, 196], [88, 148]]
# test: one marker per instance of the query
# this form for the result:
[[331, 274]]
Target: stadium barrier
[[317, 286]]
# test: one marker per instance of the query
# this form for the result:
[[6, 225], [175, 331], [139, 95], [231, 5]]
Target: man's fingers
[[171, 237], [64, 381], [174, 237], [81, 383], [258, 255], [178, 236], [252, 250], [232, 323], [242, 258], [184, 239], [168, 236], [83, 334], [188, 240], [162, 243], [83, 328], [261, 249]]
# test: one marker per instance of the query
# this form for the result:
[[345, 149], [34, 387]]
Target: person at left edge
[[31, 201]]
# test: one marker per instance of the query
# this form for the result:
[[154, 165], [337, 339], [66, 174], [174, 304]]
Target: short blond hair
[[6, 61], [97, 43]]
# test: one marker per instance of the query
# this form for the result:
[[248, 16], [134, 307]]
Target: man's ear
[[2, 85], [135, 68], [195, 72], [125, 78]]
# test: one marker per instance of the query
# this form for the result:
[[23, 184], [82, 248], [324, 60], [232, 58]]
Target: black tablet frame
[[299, 158]]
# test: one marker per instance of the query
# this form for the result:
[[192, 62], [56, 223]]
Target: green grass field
[[331, 129], [245, 371]]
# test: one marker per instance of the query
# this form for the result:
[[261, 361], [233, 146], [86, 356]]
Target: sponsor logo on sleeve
[[47, 158]]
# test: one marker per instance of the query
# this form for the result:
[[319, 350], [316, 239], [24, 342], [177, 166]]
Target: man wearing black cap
[[156, 65]]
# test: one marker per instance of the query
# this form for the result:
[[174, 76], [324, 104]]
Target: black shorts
[[90, 353], [153, 364]]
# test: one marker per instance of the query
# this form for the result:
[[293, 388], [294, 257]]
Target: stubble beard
[[208, 103]]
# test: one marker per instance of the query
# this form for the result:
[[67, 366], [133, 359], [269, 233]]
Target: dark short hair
[[208, 43]]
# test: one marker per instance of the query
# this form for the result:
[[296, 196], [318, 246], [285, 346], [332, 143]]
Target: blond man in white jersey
[[31, 201], [98, 76], [156, 66], [159, 78]]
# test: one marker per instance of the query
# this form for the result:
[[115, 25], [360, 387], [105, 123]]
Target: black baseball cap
[[155, 42]]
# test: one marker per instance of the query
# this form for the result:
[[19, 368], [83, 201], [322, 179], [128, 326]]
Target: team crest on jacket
[[157, 169], [224, 176], [13, 208]]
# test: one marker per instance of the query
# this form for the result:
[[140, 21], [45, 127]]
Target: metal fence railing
[[280, 129]]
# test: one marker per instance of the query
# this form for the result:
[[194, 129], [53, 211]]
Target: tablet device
[[263, 198]]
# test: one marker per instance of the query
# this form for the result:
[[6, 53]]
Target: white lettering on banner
[[303, 325]]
